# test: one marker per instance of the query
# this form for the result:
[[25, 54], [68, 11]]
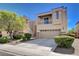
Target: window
[[57, 14], [46, 21]]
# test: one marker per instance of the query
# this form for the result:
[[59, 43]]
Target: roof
[[44, 13], [50, 12], [62, 7]]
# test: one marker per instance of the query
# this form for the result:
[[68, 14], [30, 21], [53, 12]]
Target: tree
[[10, 22], [72, 31]]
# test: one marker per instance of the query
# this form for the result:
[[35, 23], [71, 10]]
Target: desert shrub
[[24, 38], [71, 34], [4, 39], [64, 41], [27, 36], [18, 36]]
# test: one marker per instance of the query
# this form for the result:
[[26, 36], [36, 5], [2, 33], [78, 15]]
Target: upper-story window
[[46, 20], [57, 14]]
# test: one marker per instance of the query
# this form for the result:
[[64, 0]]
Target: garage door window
[[49, 30]]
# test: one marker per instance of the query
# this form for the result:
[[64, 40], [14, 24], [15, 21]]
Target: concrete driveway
[[38, 47], [39, 44]]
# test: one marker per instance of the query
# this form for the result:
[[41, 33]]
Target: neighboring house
[[77, 29], [52, 23], [32, 26]]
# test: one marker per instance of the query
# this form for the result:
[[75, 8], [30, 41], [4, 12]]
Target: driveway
[[39, 44], [38, 47]]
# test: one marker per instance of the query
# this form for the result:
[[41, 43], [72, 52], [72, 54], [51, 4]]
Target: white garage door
[[48, 33]]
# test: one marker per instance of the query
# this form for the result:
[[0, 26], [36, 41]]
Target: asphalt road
[[4, 53]]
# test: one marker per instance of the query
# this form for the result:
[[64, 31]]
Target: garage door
[[48, 34]]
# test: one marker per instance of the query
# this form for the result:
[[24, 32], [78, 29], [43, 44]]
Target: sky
[[32, 9]]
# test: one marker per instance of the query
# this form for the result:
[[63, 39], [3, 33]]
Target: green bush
[[70, 34], [24, 38], [64, 41], [18, 36], [27, 36], [4, 39]]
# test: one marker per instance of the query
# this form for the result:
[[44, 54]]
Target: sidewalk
[[20, 51], [76, 46]]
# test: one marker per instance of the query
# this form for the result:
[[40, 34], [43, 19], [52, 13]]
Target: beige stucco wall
[[47, 26], [62, 19], [4, 33]]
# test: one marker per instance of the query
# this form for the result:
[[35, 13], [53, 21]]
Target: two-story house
[[52, 23]]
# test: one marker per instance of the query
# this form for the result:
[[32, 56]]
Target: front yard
[[61, 44], [40, 47]]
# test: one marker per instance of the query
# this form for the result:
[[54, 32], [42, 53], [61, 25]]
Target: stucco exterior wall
[[48, 26], [62, 21]]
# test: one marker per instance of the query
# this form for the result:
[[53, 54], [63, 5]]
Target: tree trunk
[[10, 34]]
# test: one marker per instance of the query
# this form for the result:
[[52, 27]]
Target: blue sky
[[31, 10]]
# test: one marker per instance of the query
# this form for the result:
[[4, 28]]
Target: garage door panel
[[48, 34]]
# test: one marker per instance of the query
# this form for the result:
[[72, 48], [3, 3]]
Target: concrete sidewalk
[[76, 46], [20, 51]]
